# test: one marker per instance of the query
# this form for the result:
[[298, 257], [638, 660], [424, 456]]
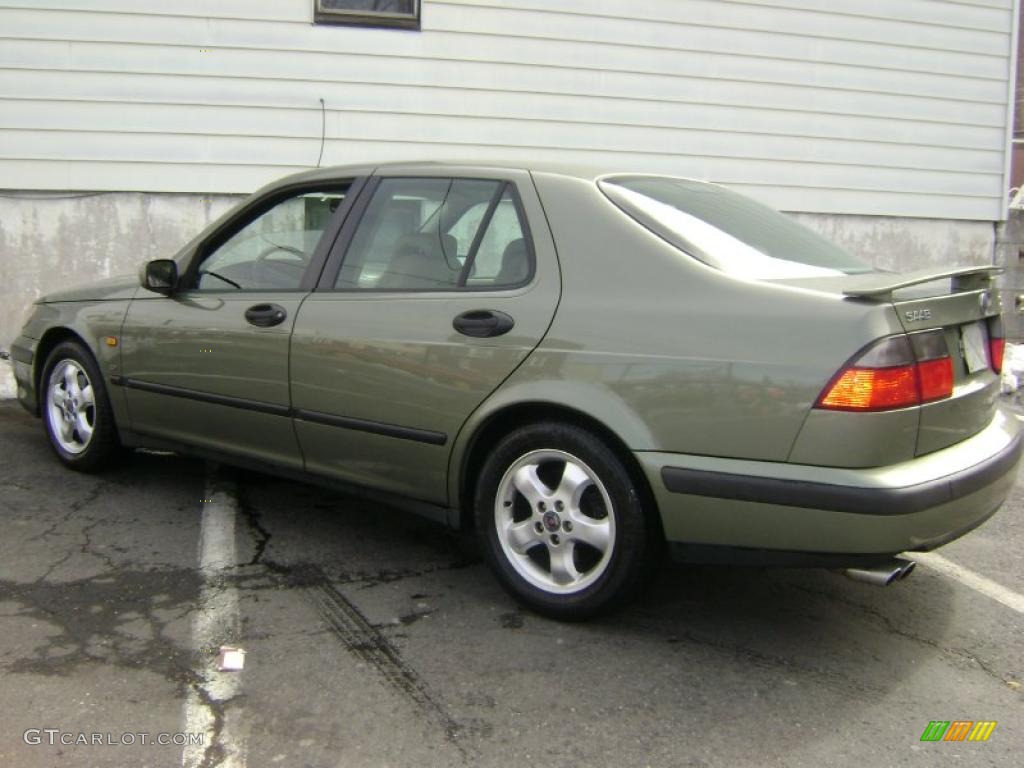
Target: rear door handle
[[265, 315], [481, 323]]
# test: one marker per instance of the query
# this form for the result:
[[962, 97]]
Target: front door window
[[274, 249]]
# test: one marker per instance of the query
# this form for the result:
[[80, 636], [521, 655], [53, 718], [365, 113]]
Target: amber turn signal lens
[[868, 389], [895, 372]]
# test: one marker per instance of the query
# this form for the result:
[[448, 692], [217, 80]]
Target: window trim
[[339, 252], [481, 232], [356, 18], [256, 208]]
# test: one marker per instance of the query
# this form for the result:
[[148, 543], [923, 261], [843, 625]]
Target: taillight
[[996, 344], [934, 365], [896, 372], [996, 348], [936, 379]]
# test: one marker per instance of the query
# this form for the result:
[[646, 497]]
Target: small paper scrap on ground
[[230, 659]]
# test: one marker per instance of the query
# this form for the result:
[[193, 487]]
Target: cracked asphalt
[[376, 639]]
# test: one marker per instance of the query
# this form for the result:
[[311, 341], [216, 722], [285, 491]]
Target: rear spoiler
[[882, 286]]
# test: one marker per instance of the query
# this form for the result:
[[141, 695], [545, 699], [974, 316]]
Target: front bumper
[[22, 356], [797, 508]]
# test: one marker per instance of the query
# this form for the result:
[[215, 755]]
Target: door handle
[[481, 323], [265, 315]]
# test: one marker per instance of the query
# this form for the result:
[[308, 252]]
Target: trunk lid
[[961, 302]]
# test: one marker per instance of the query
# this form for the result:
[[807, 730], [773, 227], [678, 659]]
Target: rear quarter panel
[[686, 358], [975, 395]]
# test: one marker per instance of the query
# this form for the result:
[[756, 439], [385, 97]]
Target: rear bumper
[[721, 504]]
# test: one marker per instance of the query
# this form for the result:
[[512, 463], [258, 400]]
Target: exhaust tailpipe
[[884, 574]]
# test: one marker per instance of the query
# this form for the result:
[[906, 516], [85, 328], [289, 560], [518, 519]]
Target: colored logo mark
[[958, 730]]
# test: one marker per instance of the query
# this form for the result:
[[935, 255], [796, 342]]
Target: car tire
[[560, 521], [77, 416]]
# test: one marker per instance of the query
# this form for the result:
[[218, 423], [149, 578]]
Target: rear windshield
[[727, 230]]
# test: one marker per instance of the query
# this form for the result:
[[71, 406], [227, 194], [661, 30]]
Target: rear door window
[[430, 234]]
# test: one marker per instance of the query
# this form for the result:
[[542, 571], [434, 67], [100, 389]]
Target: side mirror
[[160, 276]]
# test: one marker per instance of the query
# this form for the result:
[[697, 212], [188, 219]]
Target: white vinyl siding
[[891, 107]]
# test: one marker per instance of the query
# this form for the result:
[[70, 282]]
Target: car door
[[208, 364], [437, 289]]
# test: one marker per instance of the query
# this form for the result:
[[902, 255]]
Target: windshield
[[727, 230]]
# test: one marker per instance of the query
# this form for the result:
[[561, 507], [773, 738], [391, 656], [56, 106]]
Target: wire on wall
[[323, 130]]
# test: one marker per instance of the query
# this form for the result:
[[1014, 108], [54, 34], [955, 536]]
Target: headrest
[[428, 245]]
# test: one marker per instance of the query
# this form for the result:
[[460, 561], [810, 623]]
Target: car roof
[[584, 172]]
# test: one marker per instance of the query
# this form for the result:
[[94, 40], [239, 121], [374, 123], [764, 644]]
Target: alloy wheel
[[554, 520], [71, 406]]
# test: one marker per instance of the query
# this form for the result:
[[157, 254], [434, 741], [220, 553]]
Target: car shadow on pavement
[[813, 622]]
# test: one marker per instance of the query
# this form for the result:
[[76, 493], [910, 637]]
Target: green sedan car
[[585, 369]]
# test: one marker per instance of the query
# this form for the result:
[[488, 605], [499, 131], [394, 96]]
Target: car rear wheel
[[76, 412], [560, 521]]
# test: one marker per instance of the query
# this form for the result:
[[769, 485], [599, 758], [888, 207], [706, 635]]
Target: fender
[[591, 399]]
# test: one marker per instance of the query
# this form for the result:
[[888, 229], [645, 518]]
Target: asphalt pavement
[[372, 638]]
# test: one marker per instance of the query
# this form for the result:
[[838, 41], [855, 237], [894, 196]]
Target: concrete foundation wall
[[53, 242], [1010, 254], [903, 244]]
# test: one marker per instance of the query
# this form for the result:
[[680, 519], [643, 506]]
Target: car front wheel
[[75, 409], [560, 521]]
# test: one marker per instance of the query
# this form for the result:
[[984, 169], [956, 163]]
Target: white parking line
[[969, 578], [215, 623]]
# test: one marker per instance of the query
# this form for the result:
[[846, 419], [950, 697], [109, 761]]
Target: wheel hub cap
[[554, 520]]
